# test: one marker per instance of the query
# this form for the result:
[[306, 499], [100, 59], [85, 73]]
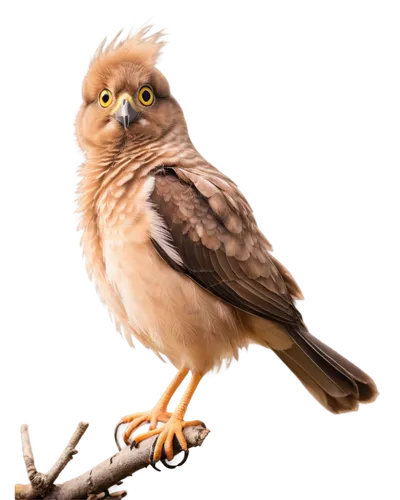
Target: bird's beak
[[125, 114]]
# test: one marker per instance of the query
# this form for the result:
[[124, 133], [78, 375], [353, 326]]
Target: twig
[[41, 484], [67, 454], [94, 484]]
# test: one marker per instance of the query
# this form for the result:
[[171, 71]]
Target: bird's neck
[[173, 147]]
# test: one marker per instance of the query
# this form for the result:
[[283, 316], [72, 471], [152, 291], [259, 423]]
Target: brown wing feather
[[220, 245]]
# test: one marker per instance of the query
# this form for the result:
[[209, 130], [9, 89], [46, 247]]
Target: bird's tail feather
[[335, 382]]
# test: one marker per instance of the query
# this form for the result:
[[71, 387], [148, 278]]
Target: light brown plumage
[[172, 244]]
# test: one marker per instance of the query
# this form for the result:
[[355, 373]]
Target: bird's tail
[[335, 382]]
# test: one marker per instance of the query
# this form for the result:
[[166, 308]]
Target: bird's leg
[[174, 426], [157, 414]]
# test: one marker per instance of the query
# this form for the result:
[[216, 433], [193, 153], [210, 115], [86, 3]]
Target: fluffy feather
[[136, 44]]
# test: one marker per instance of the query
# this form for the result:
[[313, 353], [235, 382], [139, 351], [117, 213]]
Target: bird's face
[[124, 100]]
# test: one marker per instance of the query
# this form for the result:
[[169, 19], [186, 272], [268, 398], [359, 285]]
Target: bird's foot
[[166, 434], [135, 420]]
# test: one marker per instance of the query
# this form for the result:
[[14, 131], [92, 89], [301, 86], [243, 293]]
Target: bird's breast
[[165, 308]]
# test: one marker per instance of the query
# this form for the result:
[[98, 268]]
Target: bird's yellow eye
[[105, 98], [146, 96]]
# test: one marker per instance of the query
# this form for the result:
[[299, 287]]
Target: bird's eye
[[105, 98], [146, 96]]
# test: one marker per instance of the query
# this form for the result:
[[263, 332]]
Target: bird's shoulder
[[211, 209]]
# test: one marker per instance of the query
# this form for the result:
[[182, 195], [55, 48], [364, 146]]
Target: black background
[[294, 109]]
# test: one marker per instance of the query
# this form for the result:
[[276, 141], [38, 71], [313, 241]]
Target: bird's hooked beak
[[125, 114]]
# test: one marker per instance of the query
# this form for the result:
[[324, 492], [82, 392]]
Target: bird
[[174, 249]]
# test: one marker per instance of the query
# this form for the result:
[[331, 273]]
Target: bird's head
[[125, 96]]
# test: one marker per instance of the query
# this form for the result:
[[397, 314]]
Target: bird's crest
[[138, 47]]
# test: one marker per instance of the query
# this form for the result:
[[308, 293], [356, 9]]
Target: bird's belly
[[169, 312]]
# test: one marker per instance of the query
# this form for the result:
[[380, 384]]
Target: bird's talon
[[171, 438], [133, 445], [153, 464], [167, 465], [136, 420]]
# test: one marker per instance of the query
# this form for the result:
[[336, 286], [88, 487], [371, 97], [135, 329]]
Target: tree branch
[[93, 484]]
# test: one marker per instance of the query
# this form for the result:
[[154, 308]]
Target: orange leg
[[174, 426], [157, 414]]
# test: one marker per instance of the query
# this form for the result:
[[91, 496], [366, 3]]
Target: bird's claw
[[136, 420], [172, 465], [167, 432], [164, 459]]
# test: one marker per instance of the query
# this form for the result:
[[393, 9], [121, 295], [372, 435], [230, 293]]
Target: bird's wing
[[209, 233]]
